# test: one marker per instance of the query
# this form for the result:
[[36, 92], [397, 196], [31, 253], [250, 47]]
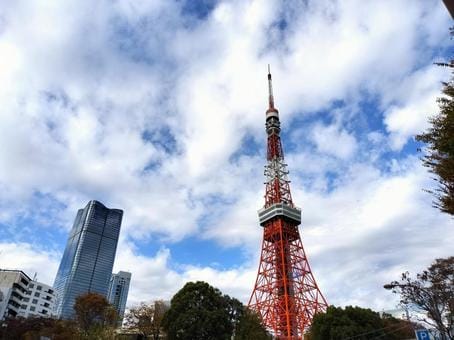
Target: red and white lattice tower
[[285, 294]]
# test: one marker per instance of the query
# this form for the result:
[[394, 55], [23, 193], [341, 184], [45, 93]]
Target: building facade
[[13, 290], [118, 292], [39, 300], [89, 255]]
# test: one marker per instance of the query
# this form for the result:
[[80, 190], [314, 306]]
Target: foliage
[[440, 141], [34, 327], [432, 292], [146, 319], [235, 310], [95, 317], [250, 327], [198, 311], [357, 323], [246, 323], [397, 328]]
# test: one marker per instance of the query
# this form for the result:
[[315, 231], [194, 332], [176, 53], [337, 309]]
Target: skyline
[[159, 108]]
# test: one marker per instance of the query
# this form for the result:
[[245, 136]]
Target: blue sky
[[157, 108]]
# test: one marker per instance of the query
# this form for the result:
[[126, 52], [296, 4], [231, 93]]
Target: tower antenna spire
[[270, 90]]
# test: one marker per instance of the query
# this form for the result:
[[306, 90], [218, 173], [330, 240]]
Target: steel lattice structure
[[285, 294]]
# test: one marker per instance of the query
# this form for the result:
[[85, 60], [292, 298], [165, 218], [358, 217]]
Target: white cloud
[[359, 236], [30, 259], [333, 141], [152, 278], [371, 228], [416, 98], [77, 101]]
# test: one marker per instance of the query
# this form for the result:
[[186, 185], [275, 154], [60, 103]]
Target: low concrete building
[[22, 296], [38, 301], [13, 290]]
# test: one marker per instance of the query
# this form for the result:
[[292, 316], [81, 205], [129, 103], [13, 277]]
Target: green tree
[[235, 310], [440, 147], [432, 293], [198, 311], [146, 319], [19, 328], [398, 328], [358, 323], [250, 327], [61, 330], [95, 317]]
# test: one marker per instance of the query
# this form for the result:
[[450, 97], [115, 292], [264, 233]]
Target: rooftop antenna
[[35, 276], [270, 90]]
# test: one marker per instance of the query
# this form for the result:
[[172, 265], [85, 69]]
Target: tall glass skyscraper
[[118, 292], [89, 255]]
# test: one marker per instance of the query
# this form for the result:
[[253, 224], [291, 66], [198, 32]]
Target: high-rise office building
[[118, 292], [89, 255]]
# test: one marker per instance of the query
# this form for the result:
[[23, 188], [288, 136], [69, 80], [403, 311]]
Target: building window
[[26, 299], [16, 295], [37, 294], [14, 303], [23, 307], [35, 301], [39, 288], [31, 285], [12, 312], [32, 308]]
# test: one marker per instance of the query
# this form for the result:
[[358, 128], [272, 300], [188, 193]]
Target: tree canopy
[[432, 293], [250, 327], [146, 319], [440, 147], [19, 328], [95, 317], [200, 311], [95, 320], [357, 323]]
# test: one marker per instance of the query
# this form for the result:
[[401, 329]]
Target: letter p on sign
[[422, 334]]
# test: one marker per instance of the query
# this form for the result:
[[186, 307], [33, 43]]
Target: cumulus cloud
[[371, 229], [30, 259], [159, 111], [415, 103], [330, 140]]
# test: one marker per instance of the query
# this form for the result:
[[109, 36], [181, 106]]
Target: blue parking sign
[[422, 334]]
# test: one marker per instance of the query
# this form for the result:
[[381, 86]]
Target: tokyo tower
[[285, 294]]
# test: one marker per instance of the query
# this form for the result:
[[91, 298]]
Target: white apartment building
[[21, 296], [13, 289], [39, 300]]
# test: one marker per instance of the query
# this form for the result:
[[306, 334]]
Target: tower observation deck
[[285, 295]]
